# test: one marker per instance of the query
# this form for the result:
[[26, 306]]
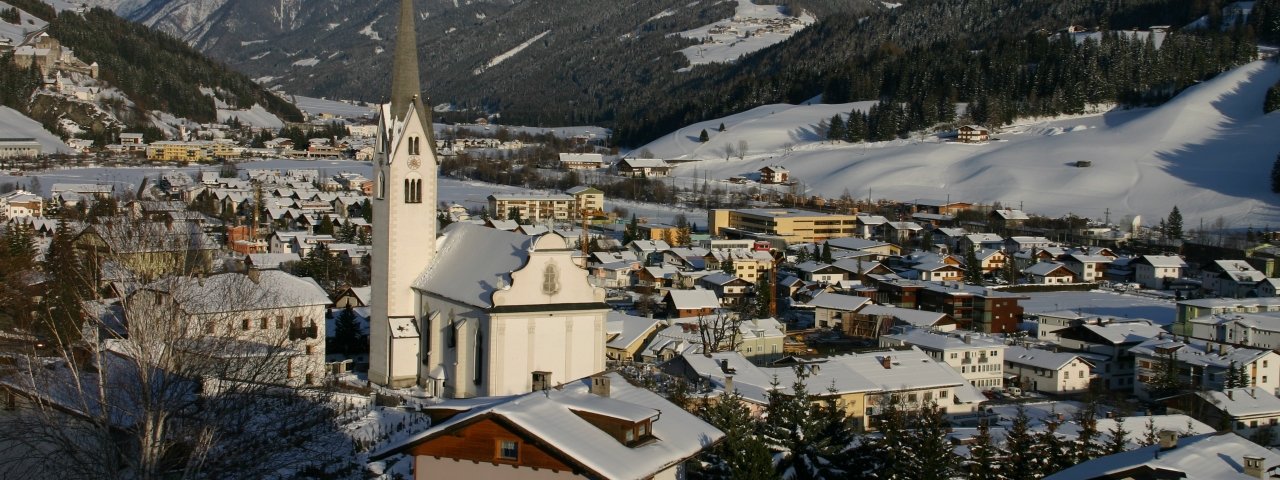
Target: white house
[[21, 204], [1047, 371], [1204, 365], [1246, 409], [1154, 271], [1050, 273], [978, 358]]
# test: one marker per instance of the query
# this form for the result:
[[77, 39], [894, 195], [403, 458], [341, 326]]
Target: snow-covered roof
[[551, 417], [1125, 332], [1244, 401], [1162, 261], [720, 279], [693, 299], [1039, 358], [1010, 214], [1048, 268], [917, 318], [836, 301], [1199, 353], [627, 329], [854, 243], [956, 340], [271, 260], [1200, 456], [472, 262], [237, 292]]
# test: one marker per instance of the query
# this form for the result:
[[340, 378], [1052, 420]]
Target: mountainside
[[1207, 151]]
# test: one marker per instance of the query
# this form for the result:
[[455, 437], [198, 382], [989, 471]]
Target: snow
[[752, 28], [13, 124], [1099, 303], [510, 53], [251, 42], [316, 106], [255, 116], [368, 30], [307, 62], [1206, 151], [17, 33]]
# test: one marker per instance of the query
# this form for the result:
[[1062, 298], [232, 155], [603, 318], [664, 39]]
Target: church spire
[[405, 89]]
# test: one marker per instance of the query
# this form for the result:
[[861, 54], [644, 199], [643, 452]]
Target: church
[[469, 311]]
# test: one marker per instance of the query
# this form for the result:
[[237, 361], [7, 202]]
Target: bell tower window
[[412, 190], [414, 145]]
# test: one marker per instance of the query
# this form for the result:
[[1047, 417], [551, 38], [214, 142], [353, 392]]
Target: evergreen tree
[[1165, 382], [1085, 447], [802, 254], [972, 267], [721, 127], [346, 233], [932, 457], [629, 233], [808, 438], [764, 295], [67, 287], [325, 227], [1265, 436], [1051, 453], [726, 266], [985, 460], [1230, 380], [1173, 224], [346, 336], [826, 253], [835, 128], [1019, 450], [1272, 101], [742, 454], [703, 137], [1119, 440], [366, 211]]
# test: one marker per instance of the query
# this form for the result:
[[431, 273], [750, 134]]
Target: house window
[[479, 363], [262, 324], [280, 321], [508, 450], [244, 324]]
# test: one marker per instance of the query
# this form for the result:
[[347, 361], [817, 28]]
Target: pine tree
[[972, 267], [703, 137], [1019, 448], [826, 253], [722, 127], [1119, 440], [67, 287], [1051, 453], [985, 460], [1230, 380], [1150, 436], [835, 128], [1173, 224], [932, 457], [808, 440], [1085, 447], [764, 295], [742, 454], [346, 336]]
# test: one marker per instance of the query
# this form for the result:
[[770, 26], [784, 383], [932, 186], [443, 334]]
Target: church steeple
[[405, 87]]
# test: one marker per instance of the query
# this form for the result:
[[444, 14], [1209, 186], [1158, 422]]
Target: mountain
[[1207, 151]]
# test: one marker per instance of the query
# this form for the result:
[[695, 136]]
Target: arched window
[[413, 190], [413, 145], [479, 363], [382, 186]]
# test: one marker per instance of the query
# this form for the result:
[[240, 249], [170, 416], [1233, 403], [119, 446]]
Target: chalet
[[1110, 342], [937, 272], [1230, 278], [1049, 273], [1245, 409], [643, 167], [1203, 364], [895, 317], [1005, 218], [979, 241], [1088, 268], [691, 303], [581, 161], [352, 297], [972, 134], [597, 427], [822, 272], [774, 174], [991, 260], [947, 236], [20, 204], [1156, 271], [731, 289], [900, 232], [869, 225], [1047, 371], [833, 310]]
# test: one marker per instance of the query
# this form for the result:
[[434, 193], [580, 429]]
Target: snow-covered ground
[[13, 124], [753, 27], [317, 106], [1208, 151], [26, 25], [509, 53], [1100, 303], [254, 116]]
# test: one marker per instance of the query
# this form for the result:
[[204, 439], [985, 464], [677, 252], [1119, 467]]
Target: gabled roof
[[836, 301], [1161, 261], [237, 292], [693, 299], [1010, 214], [1244, 401], [854, 243], [643, 163], [1044, 269], [1040, 358], [549, 416], [625, 330], [472, 262], [1200, 456], [721, 279], [916, 318]]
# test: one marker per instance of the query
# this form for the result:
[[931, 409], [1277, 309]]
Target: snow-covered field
[[13, 124], [753, 27], [1208, 151], [316, 106], [26, 25], [1100, 303]]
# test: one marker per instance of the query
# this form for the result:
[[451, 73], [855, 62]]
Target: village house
[[841, 247], [972, 134], [691, 303], [643, 167], [1109, 344], [774, 174], [1207, 455], [598, 427], [991, 260], [627, 334], [1259, 330], [1156, 271], [1047, 371], [729, 288], [1202, 364], [834, 310], [980, 241], [1005, 219], [21, 204], [1048, 273], [581, 161], [748, 265], [1088, 268], [1245, 409], [977, 357], [1230, 278], [759, 340]]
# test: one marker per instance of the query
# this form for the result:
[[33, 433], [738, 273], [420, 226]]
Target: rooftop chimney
[[1168, 439], [886, 362], [600, 385], [728, 384], [1253, 466]]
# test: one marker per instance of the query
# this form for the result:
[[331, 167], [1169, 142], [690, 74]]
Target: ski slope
[[1209, 151]]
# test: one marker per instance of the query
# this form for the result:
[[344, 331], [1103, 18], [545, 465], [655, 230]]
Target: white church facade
[[474, 311]]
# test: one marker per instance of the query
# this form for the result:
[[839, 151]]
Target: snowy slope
[[255, 116], [1208, 151], [27, 24], [14, 124], [316, 106], [753, 27]]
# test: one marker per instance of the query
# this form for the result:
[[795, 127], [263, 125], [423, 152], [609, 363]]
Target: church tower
[[404, 214]]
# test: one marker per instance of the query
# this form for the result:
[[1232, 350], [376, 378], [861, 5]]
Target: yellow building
[[179, 151], [793, 226], [587, 200]]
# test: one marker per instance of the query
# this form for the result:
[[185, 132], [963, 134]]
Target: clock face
[[414, 163]]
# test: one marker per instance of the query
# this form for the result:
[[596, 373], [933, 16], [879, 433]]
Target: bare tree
[[742, 149], [728, 151], [188, 376], [719, 332]]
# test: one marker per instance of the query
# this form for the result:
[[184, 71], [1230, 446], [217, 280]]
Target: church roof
[[472, 262]]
